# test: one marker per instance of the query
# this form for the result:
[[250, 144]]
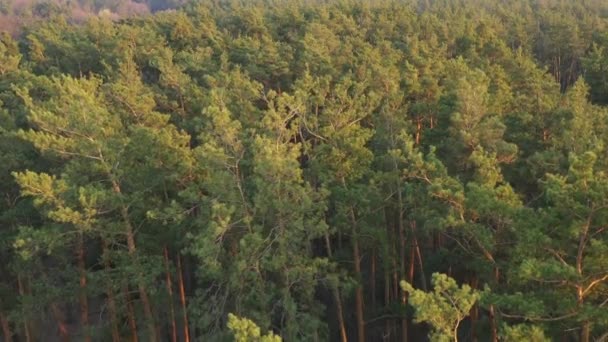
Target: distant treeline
[[14, 14]]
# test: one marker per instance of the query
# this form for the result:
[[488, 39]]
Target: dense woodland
[[344, 170]]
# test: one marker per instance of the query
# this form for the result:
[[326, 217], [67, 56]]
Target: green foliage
[[443, 308], [524, 332], [245, 330]]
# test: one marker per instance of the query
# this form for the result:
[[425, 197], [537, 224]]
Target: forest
[[304, 170]]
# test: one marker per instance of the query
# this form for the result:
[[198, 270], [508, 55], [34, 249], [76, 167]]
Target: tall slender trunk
[[394, 257], [474, 313], [6, 328], [26, 323], [387, 299], [493, 323], [170, 293], [418, 130], [389, 281], [372, 280], [493, 326], [410, 276], [583, 239], [412, 265], [143, 293], [343, 336], [404, 323], [585, 325], [141, 287], [110, 293], [337, 298], [59, 316], [112, 313], [418, 255], [585, 331], [131, 315], [359, 290], [84, 303], [395, 279], [182, 297]]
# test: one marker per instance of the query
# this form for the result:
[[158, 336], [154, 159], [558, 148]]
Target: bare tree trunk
[[583, 238], [143, 293], [6, 328], [60, 318], [170, 293], [410, 279], [359, 303], [182, 297], [84, 303], [404, 322], [493, 326], [418, 130], [387, 299], [412, 265], [474, 313], [418, 255], [58, 315], [110, 294], [390, 277], [372, 281], [131, 315], [112, 312], [26, 323], [359, 290], [337, 298]]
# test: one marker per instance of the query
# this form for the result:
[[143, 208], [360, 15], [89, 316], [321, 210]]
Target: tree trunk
[[57, 313], [359, 290], [404, 323], [141, 287], [389, 277], [112, 312], [60, 318], [474, 313], [170, 293], [131, 247], [418, 130], [131, 315], [84, 303], [493, 327], [6, 328], [110, 294], [343, 336], [419, 255], [387, 300], [583, 239], [412, 264], [410, 279], [372, 280], [182, 297], [337, 298], [26, 323], [143, 293]]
